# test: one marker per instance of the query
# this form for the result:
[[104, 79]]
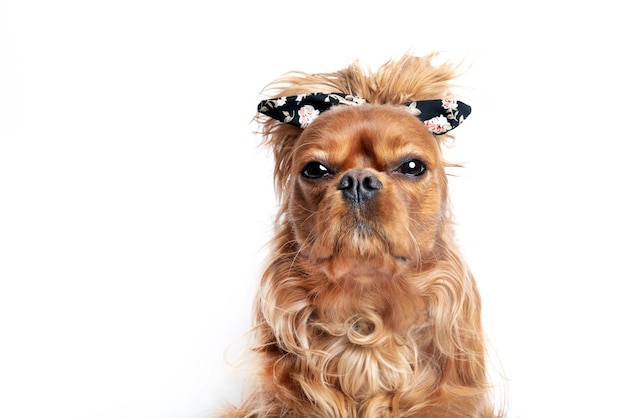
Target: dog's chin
[[360, 255], [363, 270]]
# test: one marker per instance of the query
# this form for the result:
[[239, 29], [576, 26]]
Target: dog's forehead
[[378, 132]]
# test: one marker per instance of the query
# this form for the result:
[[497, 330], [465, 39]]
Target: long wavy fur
[[408, 347]]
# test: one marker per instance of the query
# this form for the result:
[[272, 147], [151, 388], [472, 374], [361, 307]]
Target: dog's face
[[366, 193]]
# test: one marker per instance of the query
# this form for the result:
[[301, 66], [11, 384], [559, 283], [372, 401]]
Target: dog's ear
[[281, 138]]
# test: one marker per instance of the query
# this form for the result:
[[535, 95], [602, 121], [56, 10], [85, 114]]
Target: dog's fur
[[366, 309]]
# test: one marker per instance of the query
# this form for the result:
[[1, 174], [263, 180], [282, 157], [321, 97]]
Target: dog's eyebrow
[[313, 155], [410, 151]]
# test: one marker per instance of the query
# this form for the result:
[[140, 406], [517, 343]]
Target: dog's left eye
[[315, 170], [412, 168]]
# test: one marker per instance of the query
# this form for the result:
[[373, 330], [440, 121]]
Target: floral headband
[[439, 116]]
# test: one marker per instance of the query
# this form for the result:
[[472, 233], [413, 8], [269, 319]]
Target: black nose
[[359, 185]]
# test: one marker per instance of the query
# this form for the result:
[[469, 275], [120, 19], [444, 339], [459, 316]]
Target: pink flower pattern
[[307, 114], [449, 104], [438, 124]]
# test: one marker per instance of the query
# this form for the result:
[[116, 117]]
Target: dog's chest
[[363, 360]]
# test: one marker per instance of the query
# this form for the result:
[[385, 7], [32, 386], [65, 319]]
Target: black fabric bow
[[439, 116]]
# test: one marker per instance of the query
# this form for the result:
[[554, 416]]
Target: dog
[[366, 307]]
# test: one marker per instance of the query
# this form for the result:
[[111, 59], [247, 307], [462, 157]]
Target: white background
[[135, 203]]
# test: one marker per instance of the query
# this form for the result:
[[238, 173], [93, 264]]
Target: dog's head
[[366, 192], [360, 169]]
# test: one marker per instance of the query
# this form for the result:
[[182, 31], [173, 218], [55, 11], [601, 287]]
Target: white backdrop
[[135, 203]]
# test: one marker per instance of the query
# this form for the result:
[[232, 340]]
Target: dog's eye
[[412, 168], [315, 170]]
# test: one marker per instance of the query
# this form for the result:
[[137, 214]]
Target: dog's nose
[[359, 185]]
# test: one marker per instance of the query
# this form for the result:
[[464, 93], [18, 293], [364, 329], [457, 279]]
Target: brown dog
[[366, 308]]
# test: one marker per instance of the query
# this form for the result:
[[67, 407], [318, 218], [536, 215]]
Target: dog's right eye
[[315, 170]]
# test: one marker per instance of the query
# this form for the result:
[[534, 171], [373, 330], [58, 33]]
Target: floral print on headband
[[439, 116]]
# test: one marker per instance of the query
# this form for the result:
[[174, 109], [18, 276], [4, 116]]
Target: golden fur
[[366, 310]]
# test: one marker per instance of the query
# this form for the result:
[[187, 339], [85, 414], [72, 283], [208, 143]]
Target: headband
[[439, 116]]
